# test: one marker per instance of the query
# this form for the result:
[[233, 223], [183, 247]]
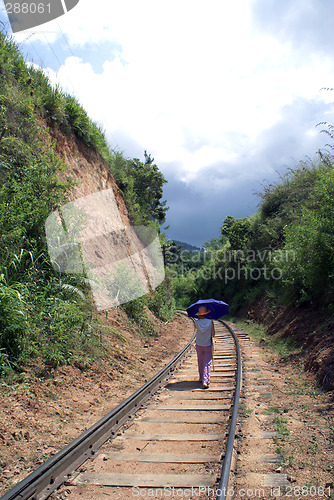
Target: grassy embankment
[[45, 315]]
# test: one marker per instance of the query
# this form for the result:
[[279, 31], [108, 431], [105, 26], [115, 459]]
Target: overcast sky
[[224, 95]]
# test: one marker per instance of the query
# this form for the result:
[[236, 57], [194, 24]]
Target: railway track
[[178, 442]]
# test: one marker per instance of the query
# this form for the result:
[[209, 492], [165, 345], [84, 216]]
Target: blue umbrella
[[217, 308]]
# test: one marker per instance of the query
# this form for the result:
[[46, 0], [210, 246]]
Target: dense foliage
[[43, 313], [285, 251]]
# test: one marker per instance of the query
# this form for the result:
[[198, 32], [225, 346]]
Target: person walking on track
[[205, 331]]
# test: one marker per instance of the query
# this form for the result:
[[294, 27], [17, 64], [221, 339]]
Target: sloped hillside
[[51, 154], [63, 364]]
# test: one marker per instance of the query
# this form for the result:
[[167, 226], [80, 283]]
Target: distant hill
[[187, 246]]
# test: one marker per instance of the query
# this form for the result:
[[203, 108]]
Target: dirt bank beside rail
[[44, 412], [285, 432], [311, 329]]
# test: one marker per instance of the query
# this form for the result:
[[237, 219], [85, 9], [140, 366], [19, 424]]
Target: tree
[[238, 232], [142, 186]]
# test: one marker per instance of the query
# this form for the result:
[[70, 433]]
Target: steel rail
[[58, 469], [226, 468]]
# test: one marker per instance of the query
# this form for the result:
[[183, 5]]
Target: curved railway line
[[169, 438]]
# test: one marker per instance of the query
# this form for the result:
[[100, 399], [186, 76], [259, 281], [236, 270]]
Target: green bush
[[63, 336], [13, 318], [311, 238], [161, 301], [135, 309]]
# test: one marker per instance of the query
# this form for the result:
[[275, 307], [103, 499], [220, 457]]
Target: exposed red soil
[[311, 330], [86, 167]]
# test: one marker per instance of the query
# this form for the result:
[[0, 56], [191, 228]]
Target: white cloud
[[201, 86], [225, 118]]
